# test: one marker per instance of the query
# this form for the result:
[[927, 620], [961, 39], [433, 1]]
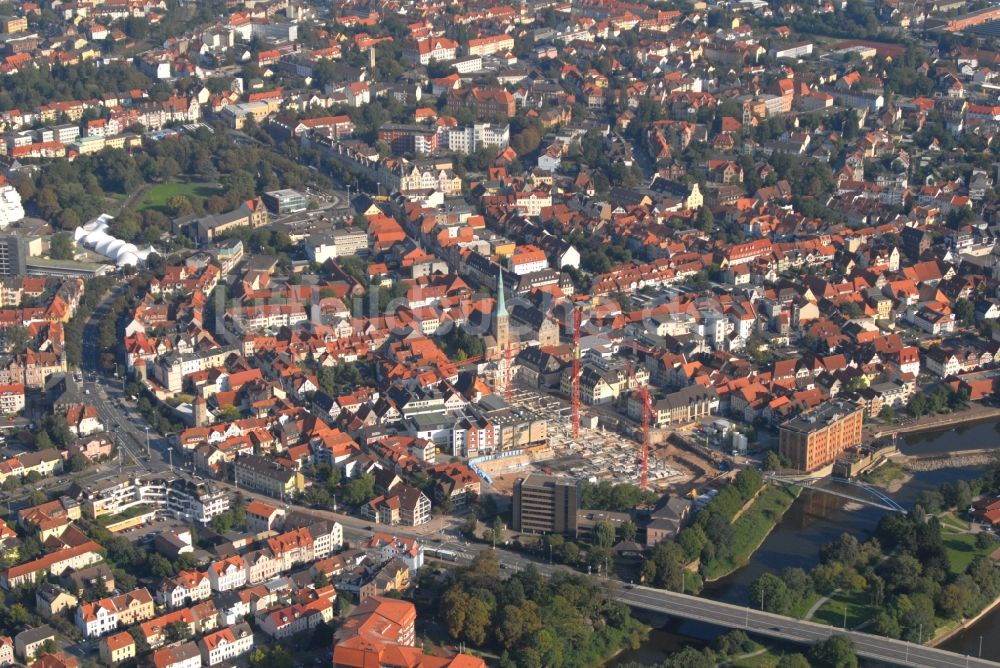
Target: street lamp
[[170, 453], [147, 440], [980, 647]]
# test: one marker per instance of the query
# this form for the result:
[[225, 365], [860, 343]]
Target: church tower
[[501, 319], [200, 411]]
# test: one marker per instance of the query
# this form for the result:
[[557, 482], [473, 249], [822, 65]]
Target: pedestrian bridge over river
[[851, 490]]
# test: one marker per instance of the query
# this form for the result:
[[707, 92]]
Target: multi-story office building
[[285, 201], [816, 438], [545, 504], [13, 256]]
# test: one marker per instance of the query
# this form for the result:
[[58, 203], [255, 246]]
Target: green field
[[157, 196], [859, 610], [961, 549]]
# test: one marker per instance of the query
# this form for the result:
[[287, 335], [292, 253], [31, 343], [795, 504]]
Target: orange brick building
[[816, 438]]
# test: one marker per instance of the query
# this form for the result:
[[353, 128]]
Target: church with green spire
[[501, 319]]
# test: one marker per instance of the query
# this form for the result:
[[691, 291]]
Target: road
[[868, 646], [126, 427]]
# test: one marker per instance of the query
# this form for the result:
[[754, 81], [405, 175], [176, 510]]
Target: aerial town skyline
[[482, 333]]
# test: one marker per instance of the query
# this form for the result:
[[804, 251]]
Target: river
[[816, 518]]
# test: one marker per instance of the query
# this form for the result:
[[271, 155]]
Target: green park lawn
[[859, 610], [801, 609], [157, 196], [950, 520], [961, 549]]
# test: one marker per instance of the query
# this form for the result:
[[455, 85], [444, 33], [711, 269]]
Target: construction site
[[600, 453], [601, 445]]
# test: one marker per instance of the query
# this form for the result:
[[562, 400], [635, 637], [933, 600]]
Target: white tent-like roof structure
[[94, 235]]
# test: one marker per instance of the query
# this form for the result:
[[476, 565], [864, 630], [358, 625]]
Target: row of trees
[[835, 652], [708, 538], [944, 399], [619, 498]]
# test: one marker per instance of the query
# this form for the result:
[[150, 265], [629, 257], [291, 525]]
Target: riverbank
[[971, 415], [949, 632], [958, 460], [752, 527]]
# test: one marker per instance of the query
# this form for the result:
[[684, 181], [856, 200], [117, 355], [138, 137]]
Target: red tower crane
[[646, 411], [575, 397]]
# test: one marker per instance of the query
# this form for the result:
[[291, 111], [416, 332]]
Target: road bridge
[[876, 648]]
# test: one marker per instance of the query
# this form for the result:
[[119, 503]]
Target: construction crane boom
[[575, 398], [646, 411]]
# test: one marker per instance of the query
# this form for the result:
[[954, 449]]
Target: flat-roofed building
[[816, 438], [545, 504]]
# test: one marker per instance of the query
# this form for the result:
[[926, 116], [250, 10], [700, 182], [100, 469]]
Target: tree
[[486, 564], [68, 219], [360, 490], [835, 652], [770, 593], [748, 481], [176, 631], [918, 405], [845, 550], [570, 553], [179, 205], [886, 625], [61, 246], [517, 622], [78, 463], [499, 530], [43, 441], [965, 311], [931, 501], [706, 221], [953, 600], [629, 530], [604, 533], [469, 526], [984, 540], [772, 461], [793, 661], [477, 621]]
